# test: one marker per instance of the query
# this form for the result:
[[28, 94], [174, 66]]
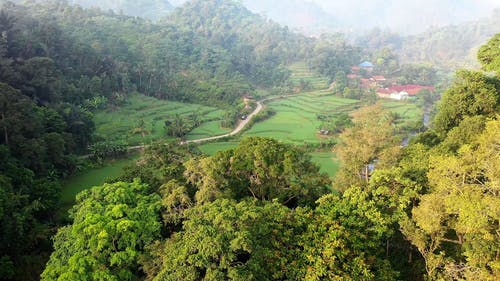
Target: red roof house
[[400, 92]]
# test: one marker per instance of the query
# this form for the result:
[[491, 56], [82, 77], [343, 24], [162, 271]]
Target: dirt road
[[238, 128]]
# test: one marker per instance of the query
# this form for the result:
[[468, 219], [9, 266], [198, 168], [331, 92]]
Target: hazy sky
[[408, 16]]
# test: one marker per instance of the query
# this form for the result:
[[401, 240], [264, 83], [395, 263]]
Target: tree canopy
[[111, 226], [260, 168]]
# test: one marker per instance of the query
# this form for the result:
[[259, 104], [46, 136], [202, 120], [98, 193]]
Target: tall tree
[[472, 93], [260, 168], [111, 226], [489, 54], [455, 226], [370, 141], [223, 240]]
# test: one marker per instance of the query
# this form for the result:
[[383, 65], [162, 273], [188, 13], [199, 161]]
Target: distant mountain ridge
[[448, 47], [452, 46], [355, 16], [305, 16], [150, 9]]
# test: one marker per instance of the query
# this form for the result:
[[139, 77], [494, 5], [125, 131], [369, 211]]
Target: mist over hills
[[151, 9], [402, 16], [407, 16], [448, 46], [445, 33], [304, 16]]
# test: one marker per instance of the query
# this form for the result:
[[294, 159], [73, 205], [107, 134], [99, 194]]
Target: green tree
[[345, 240], [386, 62], [260, 168], [340, 82], [369, 141], [424, 74], [160, 164], [223, 240], [472, 93], [111, 226], [455, 225], [176, 127], [26, 208], [489, 54], [140, 128]]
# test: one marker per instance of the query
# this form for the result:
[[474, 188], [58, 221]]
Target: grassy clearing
[[327, 161], [296, 119], [207, 129], [118, 124], [92, 177], [409, 113]]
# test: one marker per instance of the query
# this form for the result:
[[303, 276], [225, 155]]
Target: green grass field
[[118, 124], [327, 162], [207, 129], [296, 119], [409, 113], [92, 177]]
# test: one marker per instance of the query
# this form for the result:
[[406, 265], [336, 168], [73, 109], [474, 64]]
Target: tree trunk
[[387, 248], [5, 133], [366, 173], [150, 81]]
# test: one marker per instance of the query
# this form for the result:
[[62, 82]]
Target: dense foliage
[[149, 9], [454, 226], [261, 168], [260, 211], [111, 226]]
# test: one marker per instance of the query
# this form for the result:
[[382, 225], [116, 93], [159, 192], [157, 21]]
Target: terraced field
[[296, 119], [300, 71], [119, 124]]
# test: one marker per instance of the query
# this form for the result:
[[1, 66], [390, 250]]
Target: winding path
[[236, 130], [241, 124]]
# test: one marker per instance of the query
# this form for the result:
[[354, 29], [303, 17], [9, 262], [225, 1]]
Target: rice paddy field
[[119, 124], [300, 71], [296, 119], [207, 129], [295, 122]]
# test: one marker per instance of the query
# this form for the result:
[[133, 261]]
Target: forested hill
[[259, 47], [449, 47], [230, 25], [150, 9], [167, 60]]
